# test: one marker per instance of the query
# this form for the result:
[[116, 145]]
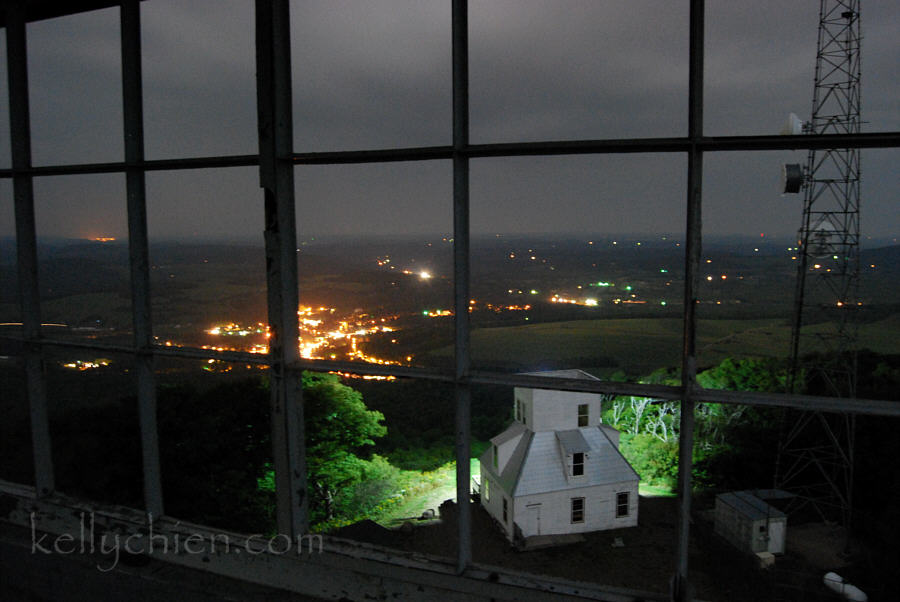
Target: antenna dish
[[791, 178], [793, 127]]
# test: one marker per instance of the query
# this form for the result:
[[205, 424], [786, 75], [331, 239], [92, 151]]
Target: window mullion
[[26, 246], [275, 131], [138, 248], [463, 397]]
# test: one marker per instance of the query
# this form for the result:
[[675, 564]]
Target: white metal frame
[[276, 161]]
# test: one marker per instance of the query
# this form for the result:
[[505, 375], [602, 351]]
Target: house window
[[582, 414], [519, 414], [505, 510], [621, 504], [487, 490], [577, 464], [495, 456], [577, 509]]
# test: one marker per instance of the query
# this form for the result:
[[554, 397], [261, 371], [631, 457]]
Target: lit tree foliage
[[339, 427]]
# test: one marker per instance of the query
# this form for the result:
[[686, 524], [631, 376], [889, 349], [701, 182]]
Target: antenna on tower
[[815, 456], [794, 126]]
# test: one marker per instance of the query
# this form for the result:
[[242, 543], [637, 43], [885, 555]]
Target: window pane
[[583, 414], [75, 89], [94, 429], [590, 70], [84, 275], [370, 75], [207, 269], [578, 510], [405, 478], [5, 156], [9, 293], [199, 78], [575, 264], [16, 456], [758, 68], [376, 252], [215, 443]]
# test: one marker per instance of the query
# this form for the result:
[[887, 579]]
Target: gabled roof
[[510, 475]]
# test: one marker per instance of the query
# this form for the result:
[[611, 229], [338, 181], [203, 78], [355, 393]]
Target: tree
[[339, 428], [749, 374]]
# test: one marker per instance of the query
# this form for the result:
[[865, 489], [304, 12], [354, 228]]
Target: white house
[[557, 469]]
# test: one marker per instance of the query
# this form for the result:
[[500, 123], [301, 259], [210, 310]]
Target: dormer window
[[577, 464], [583, 416]]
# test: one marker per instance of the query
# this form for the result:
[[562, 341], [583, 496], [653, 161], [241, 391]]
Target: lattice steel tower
[[816, 451]]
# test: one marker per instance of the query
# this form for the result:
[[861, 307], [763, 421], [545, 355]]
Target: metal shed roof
[[749, 505]]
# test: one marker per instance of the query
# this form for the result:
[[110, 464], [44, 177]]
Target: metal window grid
[[275, 161]]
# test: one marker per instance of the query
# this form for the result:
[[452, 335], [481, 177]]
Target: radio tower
[[815, 458]]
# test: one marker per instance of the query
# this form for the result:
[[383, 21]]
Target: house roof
[[572, 374], [543, 469]]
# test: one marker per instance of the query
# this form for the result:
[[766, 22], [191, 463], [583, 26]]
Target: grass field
[[642, 345]]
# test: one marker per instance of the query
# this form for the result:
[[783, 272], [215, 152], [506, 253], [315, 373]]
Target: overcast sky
[[377, 74]]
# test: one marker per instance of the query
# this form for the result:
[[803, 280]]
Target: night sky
[[377, 75]]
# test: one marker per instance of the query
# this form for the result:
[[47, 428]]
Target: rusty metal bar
[[11, 345], [144, 164], [463, 394], [273, 89], [139, 253], [505, 149], [681, 587], [26, 247]]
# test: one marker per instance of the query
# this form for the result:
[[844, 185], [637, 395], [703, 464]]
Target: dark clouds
[[377, 75]]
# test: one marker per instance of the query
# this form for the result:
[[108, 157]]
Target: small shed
[[750, 523]]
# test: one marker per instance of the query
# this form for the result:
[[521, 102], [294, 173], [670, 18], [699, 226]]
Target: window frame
[[275, 161], [580, 511], [620, 504], [576, 465], [586, 415]]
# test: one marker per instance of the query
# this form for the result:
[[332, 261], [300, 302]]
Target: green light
[[425, 313], [662, 302], [533, 292], [601, 283], [628, 288], [663, 271]]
